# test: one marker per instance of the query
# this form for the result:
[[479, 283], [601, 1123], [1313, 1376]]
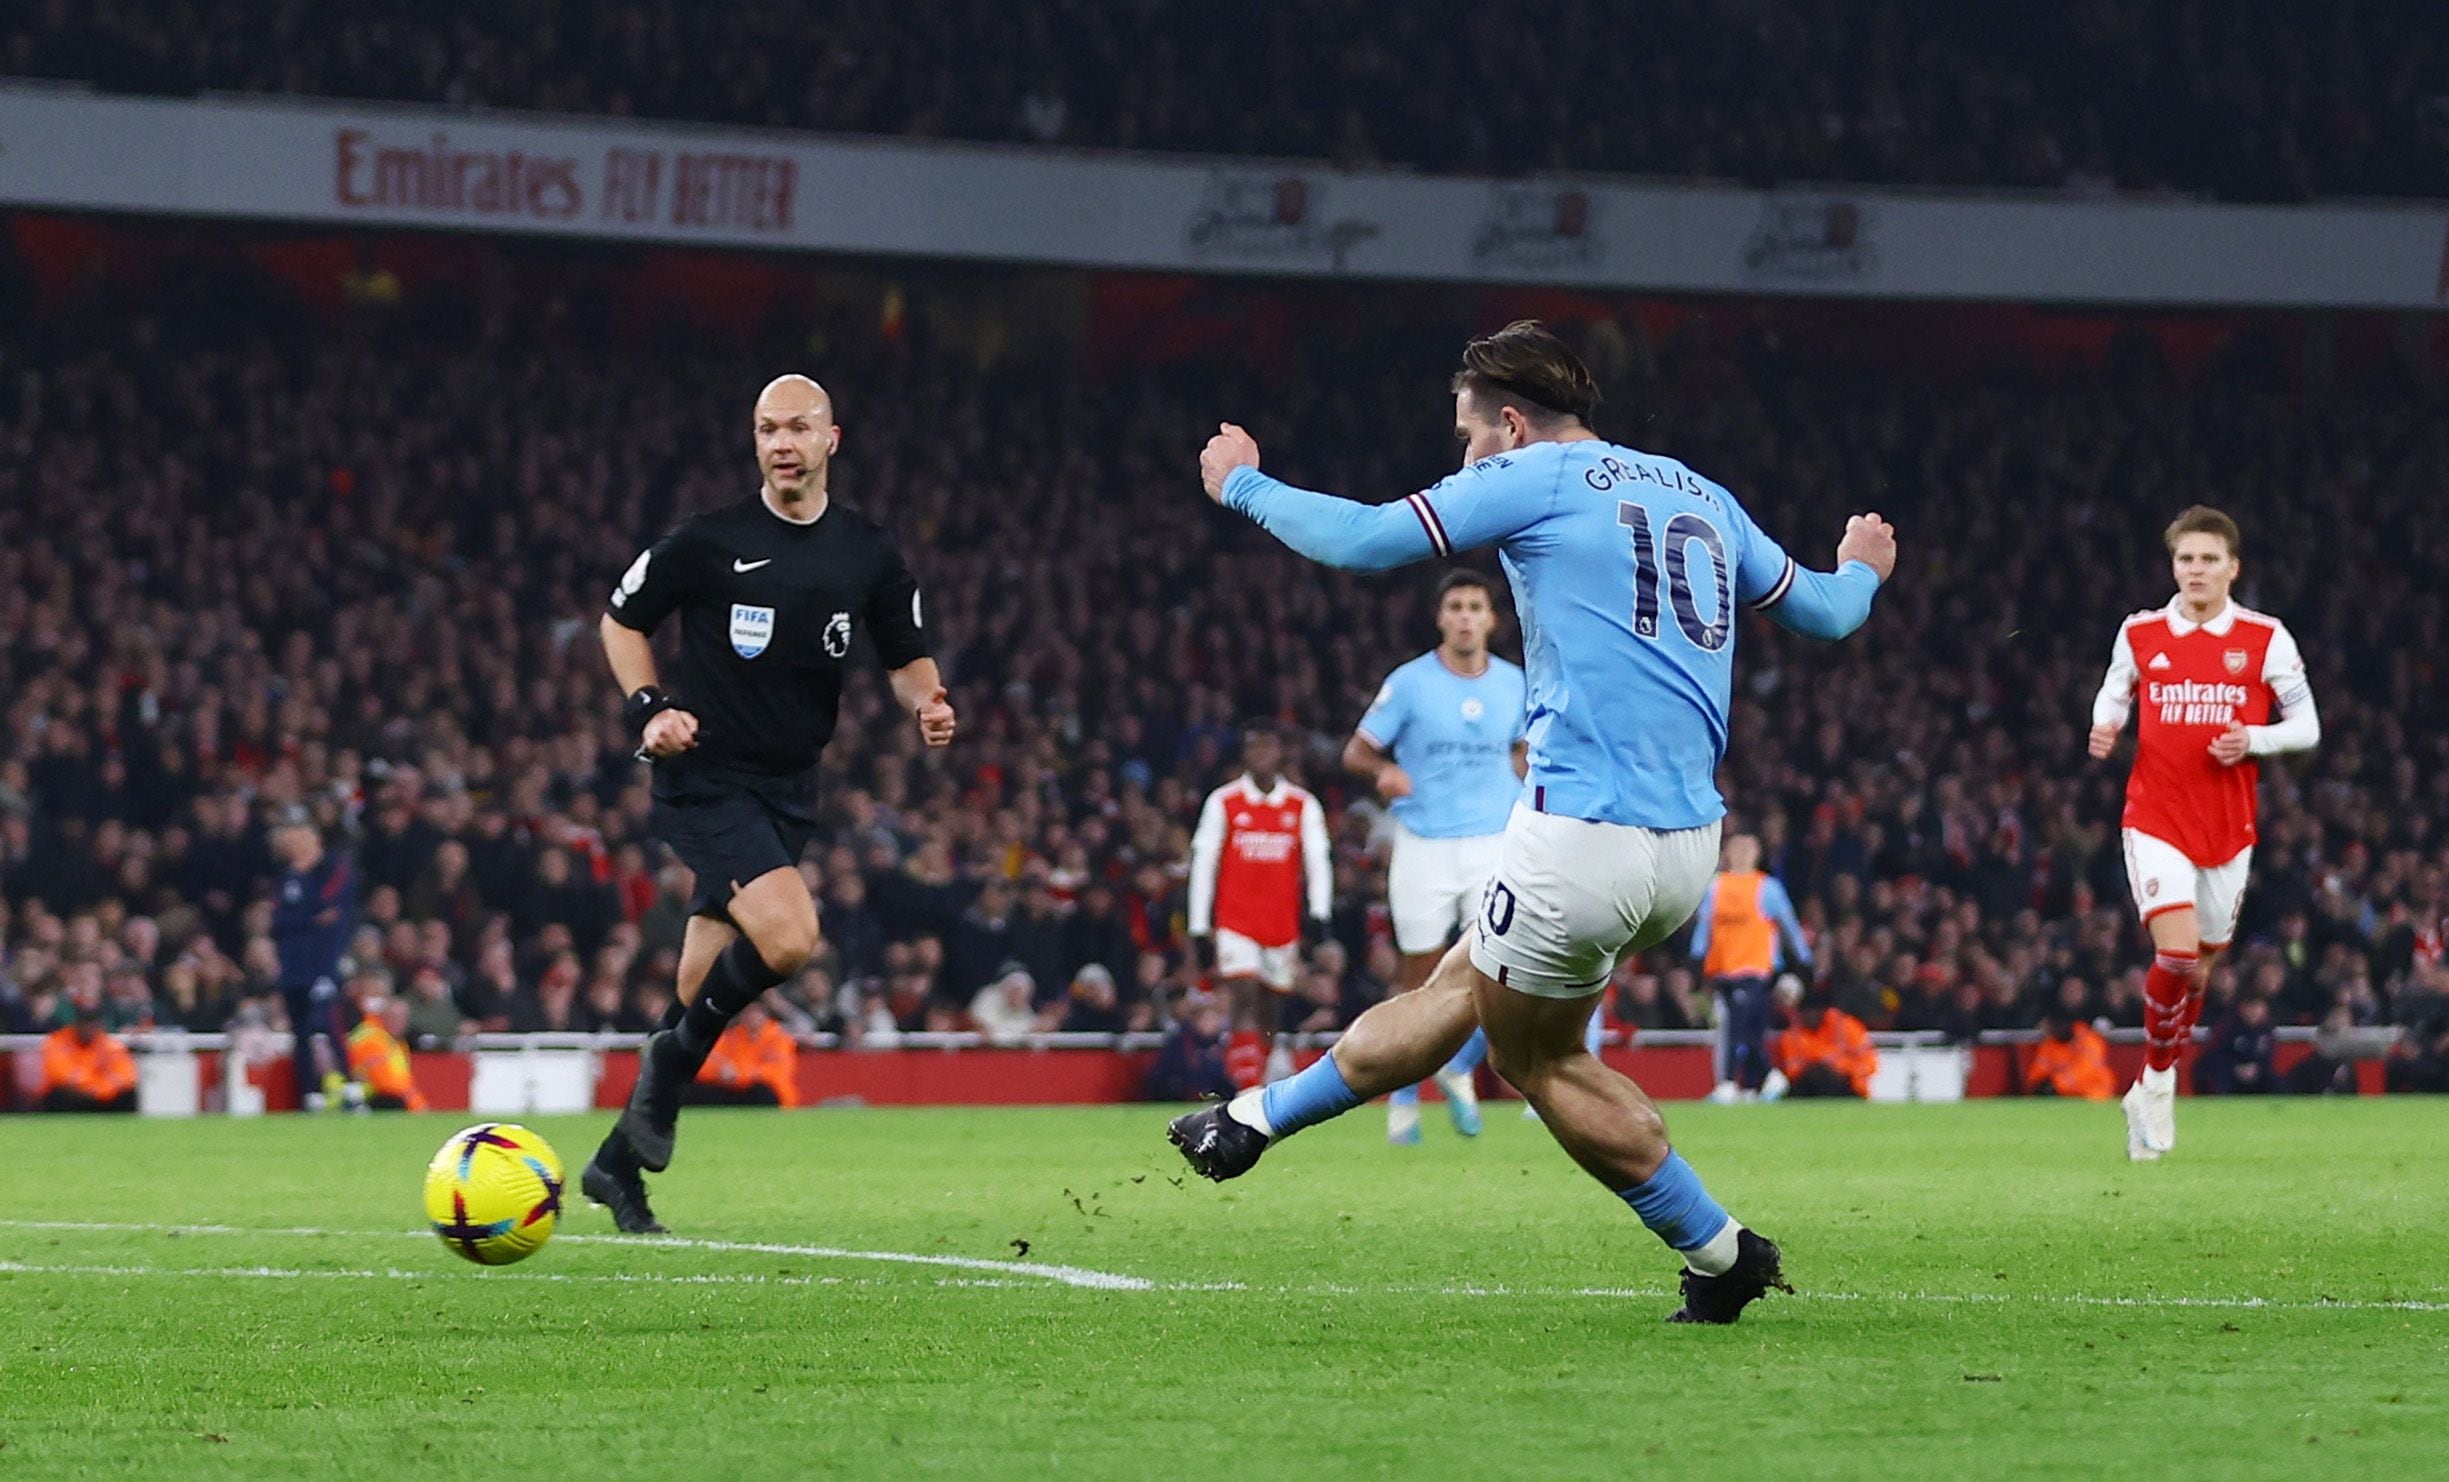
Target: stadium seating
[[2249, 100], [348, 562]]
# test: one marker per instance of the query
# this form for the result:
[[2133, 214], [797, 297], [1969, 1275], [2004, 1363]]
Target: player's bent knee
[[786, 949]]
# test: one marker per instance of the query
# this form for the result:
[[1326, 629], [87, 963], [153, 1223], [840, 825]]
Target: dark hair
[[1526, 367], [1464, 576], [2202, 519]]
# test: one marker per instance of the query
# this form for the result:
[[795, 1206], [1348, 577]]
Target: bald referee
[[770, 593]]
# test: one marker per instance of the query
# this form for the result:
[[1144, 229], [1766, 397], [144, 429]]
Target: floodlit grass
[[1988, 1290]]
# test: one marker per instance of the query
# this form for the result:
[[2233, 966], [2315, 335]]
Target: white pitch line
[[1078, 1276]]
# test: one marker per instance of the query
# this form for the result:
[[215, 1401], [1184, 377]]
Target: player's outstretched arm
[[1476, 507]]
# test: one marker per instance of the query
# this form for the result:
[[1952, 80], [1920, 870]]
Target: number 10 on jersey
[[1672, 548]]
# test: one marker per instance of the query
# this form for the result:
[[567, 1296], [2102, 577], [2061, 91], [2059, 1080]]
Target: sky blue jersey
[[1626, 568], [1454, 736]]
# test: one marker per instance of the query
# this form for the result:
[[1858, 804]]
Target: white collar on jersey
[[2218, 626], [1282, 790]]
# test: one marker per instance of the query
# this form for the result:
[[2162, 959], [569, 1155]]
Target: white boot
[[2138, 1136]]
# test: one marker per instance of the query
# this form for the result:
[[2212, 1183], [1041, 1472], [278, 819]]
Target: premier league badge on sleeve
[[752, 628]]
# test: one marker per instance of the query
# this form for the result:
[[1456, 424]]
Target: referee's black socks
[[738, 978]]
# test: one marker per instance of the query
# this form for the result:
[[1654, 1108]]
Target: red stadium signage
[[720, 192]]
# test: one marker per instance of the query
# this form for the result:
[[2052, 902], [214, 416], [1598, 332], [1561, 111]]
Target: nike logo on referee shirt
[[738, 565]]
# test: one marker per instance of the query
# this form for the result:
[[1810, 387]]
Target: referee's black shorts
[[727, 832]]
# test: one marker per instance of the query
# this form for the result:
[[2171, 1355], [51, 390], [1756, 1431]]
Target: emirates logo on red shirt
[[2235, 659]]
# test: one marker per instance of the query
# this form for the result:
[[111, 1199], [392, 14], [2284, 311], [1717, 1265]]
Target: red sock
[[2167, 1019], [1246, 1058]]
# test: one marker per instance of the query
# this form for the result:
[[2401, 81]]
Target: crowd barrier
[[517, 1075]]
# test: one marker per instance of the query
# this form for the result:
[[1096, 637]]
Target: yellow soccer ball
[[494, 1193]]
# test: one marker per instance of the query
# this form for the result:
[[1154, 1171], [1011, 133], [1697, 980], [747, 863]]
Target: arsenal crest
[[2235, 659]]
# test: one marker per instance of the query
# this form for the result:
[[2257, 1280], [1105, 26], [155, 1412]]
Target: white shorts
[[1570, 897], [1237, 956], [1433, 886], [2164, 880]]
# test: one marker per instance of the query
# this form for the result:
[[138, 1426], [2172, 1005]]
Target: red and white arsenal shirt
[[1259, 862], [2186, 682]]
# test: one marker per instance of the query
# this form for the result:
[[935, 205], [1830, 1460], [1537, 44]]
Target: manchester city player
[[1443, 745], [1627, 567]]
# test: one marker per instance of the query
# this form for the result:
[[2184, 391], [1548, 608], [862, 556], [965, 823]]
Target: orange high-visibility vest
[[102, 1070], [766, 1057], [1742, 938], [2077, 1068], [379, 1061], [1841, 1041]]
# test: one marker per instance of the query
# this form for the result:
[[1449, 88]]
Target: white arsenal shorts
[[2164, 880], [1570, 897], [1433, 886], [1237, 956]]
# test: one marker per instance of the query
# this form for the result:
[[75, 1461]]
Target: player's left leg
[[612, 1178], [1403, 1104], [776, 918], [1398, 1042], [2219, 892]]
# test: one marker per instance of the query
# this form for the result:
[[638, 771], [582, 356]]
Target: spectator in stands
[[2071, 1060], [2263, 102], [2241, 1056], [1091, 1006], [378, 1056], [1005, 1010], [1191, 1066], [86, 1069], [1823, 1051], [753, 1063], [434, 1020]]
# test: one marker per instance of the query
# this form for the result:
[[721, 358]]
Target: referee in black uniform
[[770, 592]]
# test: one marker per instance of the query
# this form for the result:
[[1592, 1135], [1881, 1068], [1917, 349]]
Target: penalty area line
[[1074, 1276]]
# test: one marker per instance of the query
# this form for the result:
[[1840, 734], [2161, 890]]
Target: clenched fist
[[936, 720], [670, 733], [1870, 540], [1229, 449]]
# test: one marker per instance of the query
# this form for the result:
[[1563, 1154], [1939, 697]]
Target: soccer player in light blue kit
[[1627, 568], [1443, 745]]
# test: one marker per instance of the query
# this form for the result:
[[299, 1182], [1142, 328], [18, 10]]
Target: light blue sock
[[1468, 1058], [1305, 1098], [1675, 1206], [1408, 1096], [1594, 1033]]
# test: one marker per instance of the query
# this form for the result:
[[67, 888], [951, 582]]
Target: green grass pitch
[[1987, 1290]]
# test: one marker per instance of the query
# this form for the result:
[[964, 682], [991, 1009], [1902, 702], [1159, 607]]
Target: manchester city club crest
[[1473, 709], [752, 628]]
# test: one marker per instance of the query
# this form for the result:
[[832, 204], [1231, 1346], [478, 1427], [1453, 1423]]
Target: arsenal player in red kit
[[1260, 880], [2217, 686]]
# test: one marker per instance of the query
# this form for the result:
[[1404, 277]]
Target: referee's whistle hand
[[936, 721], [1229, 449], [670, 733]]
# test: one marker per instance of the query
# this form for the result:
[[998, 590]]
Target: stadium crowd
[[2246, 99], [353, 579]]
